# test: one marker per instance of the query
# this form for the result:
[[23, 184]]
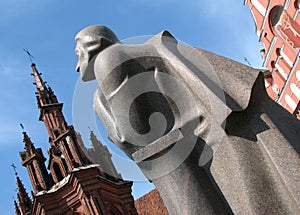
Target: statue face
[[89, 42], [83, 55]]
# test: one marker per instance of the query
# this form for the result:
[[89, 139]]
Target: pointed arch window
[[113, 210], [33, 173], [57, 172]]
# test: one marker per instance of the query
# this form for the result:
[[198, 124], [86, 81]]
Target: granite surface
[[200, 126]]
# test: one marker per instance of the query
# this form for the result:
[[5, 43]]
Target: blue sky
[[47, 29]]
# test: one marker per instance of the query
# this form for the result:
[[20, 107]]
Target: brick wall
[[151, 204]]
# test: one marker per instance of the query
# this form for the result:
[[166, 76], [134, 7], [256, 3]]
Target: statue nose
[[78, 68]]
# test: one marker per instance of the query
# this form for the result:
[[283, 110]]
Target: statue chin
[[87, 71]]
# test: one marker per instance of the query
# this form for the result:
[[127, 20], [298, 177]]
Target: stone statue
[[200, 126]]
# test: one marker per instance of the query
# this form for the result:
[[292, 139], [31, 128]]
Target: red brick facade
[[73, 185], [151, 204], [278, 28]]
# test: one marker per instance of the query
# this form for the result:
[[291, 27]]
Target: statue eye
[[77, 53]]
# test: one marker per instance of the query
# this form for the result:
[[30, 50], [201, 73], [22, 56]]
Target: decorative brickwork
[[73, 185], [151, 204]]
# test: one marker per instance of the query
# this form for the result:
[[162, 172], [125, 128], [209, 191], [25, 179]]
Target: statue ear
[[104, 43], [96, 46], [167, 34], [162, 37]]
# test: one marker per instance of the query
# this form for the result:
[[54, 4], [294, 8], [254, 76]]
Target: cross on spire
[[29, 55], [247, 61], [22, 127], [15, 168]]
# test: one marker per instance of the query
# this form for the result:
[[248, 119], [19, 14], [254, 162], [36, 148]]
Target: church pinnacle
[[34, 160], [24, 200], [71, 185], [17, 209], [65, 153], [29, 146], [40, 84], [50, 109], [101, 155]]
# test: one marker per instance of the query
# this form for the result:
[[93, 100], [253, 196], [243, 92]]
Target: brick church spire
[[23, 198], [34, 160], [25, 204], [65, 152], [50, 109], [29, 146], [17, 209], [95, 142], [73, 185], [101, 155]]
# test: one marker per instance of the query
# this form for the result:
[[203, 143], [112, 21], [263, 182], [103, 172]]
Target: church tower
[[278, 28], [34, 160], [65, 153], [73, 185], [17, 209], [99, 154], [25, 204]]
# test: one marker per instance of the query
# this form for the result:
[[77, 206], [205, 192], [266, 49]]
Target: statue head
[[89, 42]]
